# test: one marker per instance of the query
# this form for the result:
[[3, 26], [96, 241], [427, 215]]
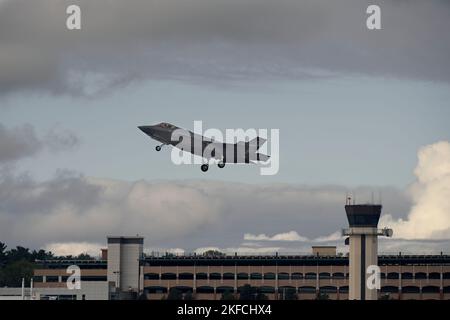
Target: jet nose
[[145, 129]]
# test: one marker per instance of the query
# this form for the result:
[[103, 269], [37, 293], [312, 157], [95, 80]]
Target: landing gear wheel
[[158, 148], [204, 167], [221, 165]]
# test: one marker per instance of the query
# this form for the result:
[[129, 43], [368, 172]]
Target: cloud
[[71, 208], [287, 236], [58, 139], [335, 236], [429, 217], [241, 250], [17, 143], [74, 248], [22, 142], [215, 41]]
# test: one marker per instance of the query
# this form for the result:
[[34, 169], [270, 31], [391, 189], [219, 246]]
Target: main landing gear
[[205, 167]]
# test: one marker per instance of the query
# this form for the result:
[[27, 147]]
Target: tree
[[19, 253], [213, 253], [42, 255], [2, 251], [189, 296], [174, 294], [228, 296], [19, 263], [13, 273]]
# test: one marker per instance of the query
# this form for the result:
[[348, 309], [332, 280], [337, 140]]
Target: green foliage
[[174, 294], [228, 296], [213, 253], [12, 273], [18, 263]]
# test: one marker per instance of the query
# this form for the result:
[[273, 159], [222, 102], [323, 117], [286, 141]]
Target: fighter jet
[[222, 153]]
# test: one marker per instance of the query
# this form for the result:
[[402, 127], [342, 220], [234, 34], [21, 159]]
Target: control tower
[[363, 239]]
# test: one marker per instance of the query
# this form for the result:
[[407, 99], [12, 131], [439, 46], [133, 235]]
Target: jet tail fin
[[258, 142], [262, 157]]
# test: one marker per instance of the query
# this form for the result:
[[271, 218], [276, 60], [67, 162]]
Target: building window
[[297, 276], [343, 289], [393, 275], [307, 290], [156, 290], [225, 289], [168, 276], [52, 278], [93, 278], [410, 289], [407, 275], [328, 289], [338, 276], [183, 289], [324, 275], [228, 276], [186, 276], [269, 276], [267, 290], [256, 276], [421, 276], [205, 289], [215, 276], [201, 276], [151, 276], [434, 276], [242, 276], [283, 276], [311, 276], [430, 289], [389, 289]]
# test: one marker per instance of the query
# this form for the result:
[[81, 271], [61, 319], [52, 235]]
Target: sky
[[359, 111]]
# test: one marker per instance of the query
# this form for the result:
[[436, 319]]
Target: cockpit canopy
[[166, 125]]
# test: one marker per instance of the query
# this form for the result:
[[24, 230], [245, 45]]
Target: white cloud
[[74, 248], [336, 236], [241, 250], [76, 209], [162, 251], [429, 217], [287, 236]]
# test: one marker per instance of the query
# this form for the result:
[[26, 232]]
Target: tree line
[[20, 262]]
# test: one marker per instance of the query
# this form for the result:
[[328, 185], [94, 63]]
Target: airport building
[[122, 275], [124, 272]]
